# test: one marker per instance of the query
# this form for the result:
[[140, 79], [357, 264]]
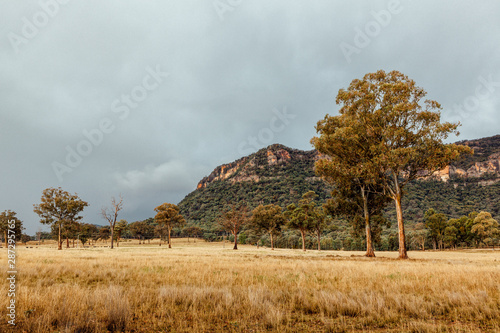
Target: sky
[[145, 98]]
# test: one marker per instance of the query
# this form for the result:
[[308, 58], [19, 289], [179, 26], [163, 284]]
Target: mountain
[[280, 175]]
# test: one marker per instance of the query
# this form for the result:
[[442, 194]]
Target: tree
[[320, 222], [436, 223], [25, 238], [104, 233], [195, 232], [268, 219], [160, 231], [111, 215], [233, 221], [420, 234], [120, 228], [302, 217], [86, 232], [59, 207], [168, 214], [141, 230], [404, 138], [486, 228], [458, 231], [361, 203], [6, 218]]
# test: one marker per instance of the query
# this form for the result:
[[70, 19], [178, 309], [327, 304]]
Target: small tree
[[6, 219], [59, 207], [195, 232], [168, 215], [420, 234], [486, 228], [111, 215], [321, 220], [104, 233], [436, 223], [268, 219], [302, 217], [86, 232], [233, 221], [120, 228], [363, 206], [160, 231]]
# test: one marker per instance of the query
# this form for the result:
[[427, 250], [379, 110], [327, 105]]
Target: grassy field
[[203, 287]]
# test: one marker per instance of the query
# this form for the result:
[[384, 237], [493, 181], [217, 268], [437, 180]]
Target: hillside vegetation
[[280, 175]]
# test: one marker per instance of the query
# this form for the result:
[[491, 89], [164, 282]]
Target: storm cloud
[[144, 98]]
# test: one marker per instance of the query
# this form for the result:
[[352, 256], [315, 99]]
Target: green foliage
[[281, 184], [269, 219], [436, 224], [6, 219], [60, 208], [486, 228], [286, 182], [233, 220]]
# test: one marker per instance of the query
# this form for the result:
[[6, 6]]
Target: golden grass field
[[203, 287]]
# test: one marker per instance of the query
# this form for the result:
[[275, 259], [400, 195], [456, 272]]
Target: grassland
[[203, 287]]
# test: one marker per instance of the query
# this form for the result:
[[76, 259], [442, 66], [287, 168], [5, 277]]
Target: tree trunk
[[112, 236], [169, 241], [319, 240], [370, 251], [303, 234], [272, 240], [59, 242], [402, 239], [235, 241], [67, 242]]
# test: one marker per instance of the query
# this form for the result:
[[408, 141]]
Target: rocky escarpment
[[484, 163], [491, 167], [256, 166], [263, 164]]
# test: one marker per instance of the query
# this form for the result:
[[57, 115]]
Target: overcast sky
[[144, 98]]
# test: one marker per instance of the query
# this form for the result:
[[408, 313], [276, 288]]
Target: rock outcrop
[[486, 162]]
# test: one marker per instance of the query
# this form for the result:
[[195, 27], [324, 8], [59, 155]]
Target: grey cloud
[[226, 77]]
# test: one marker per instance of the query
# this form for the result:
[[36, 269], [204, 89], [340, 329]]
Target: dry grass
[[201, 287]]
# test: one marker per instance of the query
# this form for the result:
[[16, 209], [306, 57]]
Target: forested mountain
[[280, 175]]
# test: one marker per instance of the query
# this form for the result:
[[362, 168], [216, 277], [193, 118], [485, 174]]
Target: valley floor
[[205, 287]]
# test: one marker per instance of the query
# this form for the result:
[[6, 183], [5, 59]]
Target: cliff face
[[490, 167], [246, 168], [484, 162]]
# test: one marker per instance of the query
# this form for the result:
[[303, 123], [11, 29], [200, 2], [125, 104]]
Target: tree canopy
[[60, 208], [268, 218], [395, 135], [168, 215]]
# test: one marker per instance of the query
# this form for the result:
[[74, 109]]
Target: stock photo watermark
[[31, 27], [121, 107], [373, 28], [277, 124], [11, 272], [471, 103], [224, 6]]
